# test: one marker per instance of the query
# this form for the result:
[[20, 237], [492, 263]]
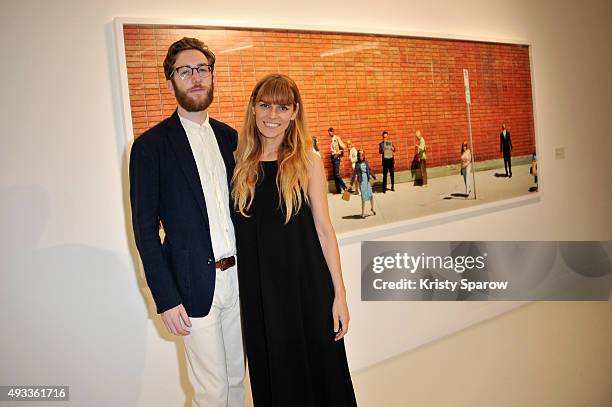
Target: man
[[337, 147], [386, 150], [505, 147], [180, 171], [353, 156]]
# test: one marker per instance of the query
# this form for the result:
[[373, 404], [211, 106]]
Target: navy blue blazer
[[165, 186]]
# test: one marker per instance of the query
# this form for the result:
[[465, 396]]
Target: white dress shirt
[[213, 178]]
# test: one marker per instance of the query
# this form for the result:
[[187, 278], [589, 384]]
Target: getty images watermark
[[456, 271]]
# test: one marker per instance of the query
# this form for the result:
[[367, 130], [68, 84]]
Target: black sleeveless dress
[[286, 294]]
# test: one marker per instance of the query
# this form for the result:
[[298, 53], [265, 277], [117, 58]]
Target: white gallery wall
[[72, 306]]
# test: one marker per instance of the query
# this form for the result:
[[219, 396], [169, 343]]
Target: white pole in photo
[[468, 101]]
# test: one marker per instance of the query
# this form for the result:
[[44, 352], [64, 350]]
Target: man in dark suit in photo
[[387, 150], [180, 172], [505, 147]]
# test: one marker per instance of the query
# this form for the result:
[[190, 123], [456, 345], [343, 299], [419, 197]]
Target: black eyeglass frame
[[208, 71]]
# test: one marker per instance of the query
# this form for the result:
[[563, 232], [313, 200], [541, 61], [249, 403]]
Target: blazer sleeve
[[144, 198]]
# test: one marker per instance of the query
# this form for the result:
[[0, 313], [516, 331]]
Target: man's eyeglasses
[[185, 72]]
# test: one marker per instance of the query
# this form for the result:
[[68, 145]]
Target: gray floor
[[443, 194]]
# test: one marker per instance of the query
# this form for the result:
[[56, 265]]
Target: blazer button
[[209, 261]]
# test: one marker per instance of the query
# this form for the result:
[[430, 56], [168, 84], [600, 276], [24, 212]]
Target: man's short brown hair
[[184, 44]]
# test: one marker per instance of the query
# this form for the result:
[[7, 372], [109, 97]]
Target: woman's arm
[[317, 194], [370, 172]]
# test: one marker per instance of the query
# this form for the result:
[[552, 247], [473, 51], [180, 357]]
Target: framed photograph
[[470, 100], [456, 92]]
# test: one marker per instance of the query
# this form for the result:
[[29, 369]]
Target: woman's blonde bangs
[[276, 91]]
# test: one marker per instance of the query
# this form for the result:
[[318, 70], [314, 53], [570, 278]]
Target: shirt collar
[[193, 125]]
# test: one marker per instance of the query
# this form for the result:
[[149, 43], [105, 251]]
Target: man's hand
[[176, 320]]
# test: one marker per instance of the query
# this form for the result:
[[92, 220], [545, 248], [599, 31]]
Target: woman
[[354, 157], [363, 173], [292, 293], [422, 156], [315, 146], [466, 167]]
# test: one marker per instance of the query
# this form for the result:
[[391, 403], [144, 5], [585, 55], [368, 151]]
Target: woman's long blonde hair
[[294, 154]]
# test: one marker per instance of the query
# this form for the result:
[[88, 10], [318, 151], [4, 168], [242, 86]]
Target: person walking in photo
[[505, 148], [337, 151], [387, 150], [291, 286], [180, 172], [364, 173]]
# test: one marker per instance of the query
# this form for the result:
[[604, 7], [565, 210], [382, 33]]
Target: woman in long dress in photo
[[421, 156], [466, 167], [292, 293]]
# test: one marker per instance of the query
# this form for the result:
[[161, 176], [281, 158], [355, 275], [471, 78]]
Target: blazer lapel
[[223, 141], [184, 156]]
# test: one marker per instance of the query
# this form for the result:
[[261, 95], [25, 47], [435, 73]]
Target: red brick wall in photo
[[359, 84]]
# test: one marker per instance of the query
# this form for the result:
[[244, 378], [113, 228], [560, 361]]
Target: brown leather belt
[[225, 263]]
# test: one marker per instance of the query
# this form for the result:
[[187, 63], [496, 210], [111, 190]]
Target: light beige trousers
[[214, 348]]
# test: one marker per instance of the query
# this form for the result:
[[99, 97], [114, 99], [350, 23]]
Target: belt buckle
[[225, 263]]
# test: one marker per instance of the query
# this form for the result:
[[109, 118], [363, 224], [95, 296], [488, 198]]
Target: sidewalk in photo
[[443, 194]]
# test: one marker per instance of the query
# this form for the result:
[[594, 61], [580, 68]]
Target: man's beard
[[194, 103]]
